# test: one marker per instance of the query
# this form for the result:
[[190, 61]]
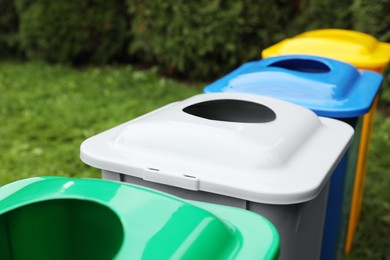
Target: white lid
[[281, 154]]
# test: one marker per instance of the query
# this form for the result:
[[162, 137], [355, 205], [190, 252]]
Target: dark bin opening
[[60, 229], [231, 110], [302, 65]]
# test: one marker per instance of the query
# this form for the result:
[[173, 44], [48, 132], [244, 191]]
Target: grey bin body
[[299, 225], [246, 151]]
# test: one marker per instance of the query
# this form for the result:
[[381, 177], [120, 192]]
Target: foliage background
[[192, 40]]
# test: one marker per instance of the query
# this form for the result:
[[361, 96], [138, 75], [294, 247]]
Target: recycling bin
[[69, 218], [359, 49], [265, 155], [364, 52], [328, 87]]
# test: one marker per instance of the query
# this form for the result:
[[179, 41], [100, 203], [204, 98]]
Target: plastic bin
[[361, 50], [257, 153], [66, 218], [328, 87]]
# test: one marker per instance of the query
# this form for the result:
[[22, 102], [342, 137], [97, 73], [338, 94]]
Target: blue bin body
[[328, 87]]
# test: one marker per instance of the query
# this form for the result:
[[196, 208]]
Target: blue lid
[[328, 87]]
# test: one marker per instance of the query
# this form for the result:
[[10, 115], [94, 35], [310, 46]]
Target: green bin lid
[[68, 218]]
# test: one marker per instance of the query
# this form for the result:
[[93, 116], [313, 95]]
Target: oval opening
[[60, 229], [230, 110], [302, 65]]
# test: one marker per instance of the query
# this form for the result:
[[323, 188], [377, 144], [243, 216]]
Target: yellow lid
[[359, 49]]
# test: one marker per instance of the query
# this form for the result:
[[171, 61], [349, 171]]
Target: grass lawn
[[47, 111]]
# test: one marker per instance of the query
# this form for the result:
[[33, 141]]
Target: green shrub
[[190, 39], [314, 14], [8, 29], [372, 17], [205, 38], [72, 31]]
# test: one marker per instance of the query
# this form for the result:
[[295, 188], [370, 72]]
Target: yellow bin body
[[364, 52]]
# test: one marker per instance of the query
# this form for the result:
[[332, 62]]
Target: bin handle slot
[[302, 65], [231, 110]]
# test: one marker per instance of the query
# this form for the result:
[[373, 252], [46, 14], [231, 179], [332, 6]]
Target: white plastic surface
[[285, 161]]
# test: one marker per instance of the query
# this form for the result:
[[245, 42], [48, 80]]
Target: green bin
[[67, 218]]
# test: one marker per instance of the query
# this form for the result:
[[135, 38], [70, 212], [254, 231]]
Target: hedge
[[314, 14], [8, 29], [372, 16], [204, 39], [89, 31], [200, 39]]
